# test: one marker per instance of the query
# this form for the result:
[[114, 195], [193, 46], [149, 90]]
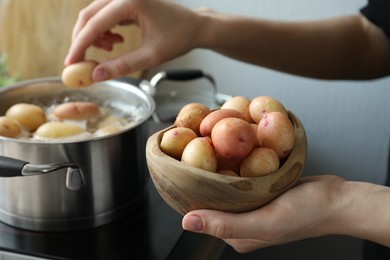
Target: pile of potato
[[244, 137], [66, 121]]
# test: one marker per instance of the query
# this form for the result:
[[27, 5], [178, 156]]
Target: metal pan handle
[[11, 167], [182, 75]]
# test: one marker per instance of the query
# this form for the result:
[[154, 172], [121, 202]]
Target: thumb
[[219, 224]]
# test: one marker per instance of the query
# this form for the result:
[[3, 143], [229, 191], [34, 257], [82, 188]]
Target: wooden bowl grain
[[186, 188]]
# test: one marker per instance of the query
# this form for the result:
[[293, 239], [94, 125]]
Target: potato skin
[[261, 105], [259, 162], [211, 119], [241, 104], [28, 116], [175, 140], [200, 153], [233, 138], [8, 127], [191, 115], [77, 110], [79, 74], [57, 130], [276, 131]]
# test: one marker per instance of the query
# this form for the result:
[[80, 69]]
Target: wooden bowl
[[186, 188]]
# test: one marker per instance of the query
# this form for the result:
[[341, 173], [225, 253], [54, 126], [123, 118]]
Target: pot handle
[[10, 167], [176, 75], [182, 75]]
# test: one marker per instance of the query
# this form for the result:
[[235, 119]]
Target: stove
[[151, 231]]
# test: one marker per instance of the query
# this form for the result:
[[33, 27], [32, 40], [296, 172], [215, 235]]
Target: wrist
[[363, 212]]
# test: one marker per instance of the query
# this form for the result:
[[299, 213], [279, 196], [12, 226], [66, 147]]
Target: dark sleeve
[[378, 12]]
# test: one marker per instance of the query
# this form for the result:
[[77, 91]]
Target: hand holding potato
[[79, 74]]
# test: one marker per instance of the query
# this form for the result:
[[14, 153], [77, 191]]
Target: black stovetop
[[152, 231]]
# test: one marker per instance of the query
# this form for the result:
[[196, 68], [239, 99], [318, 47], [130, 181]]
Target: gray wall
[[347, 122]]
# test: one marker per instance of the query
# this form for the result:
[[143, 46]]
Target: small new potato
[[175, 140], [211, 119], [79, 74], [200, 153], [262, 105], [191, 115], [8, 127], [53, 129], [77, 110], [259, 162], [241, 104], [29, 116], [233, 138], [276, 131]]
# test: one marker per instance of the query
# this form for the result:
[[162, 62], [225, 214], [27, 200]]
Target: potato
[[175, 140], [79, 74], [200, 153], [240, 104], [276, 131], [211, 119], [191, 115], [262, 105], [57, 130], [259, 162], [77, 110], [28, 116], [233, 138], [8, 127]]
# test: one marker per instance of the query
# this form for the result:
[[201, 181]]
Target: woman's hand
[[168, 31], [307, 210]]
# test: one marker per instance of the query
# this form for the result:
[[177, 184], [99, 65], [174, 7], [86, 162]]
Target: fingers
[[93, 22], [136, 60], [107, 40], [86, 14]]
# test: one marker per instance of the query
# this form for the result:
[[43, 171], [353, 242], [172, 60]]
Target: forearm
[[342, 48], [364, 212]]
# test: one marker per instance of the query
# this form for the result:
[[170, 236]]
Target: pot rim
[[119, 84]]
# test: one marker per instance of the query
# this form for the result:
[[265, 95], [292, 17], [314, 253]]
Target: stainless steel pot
[[62, 186]]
